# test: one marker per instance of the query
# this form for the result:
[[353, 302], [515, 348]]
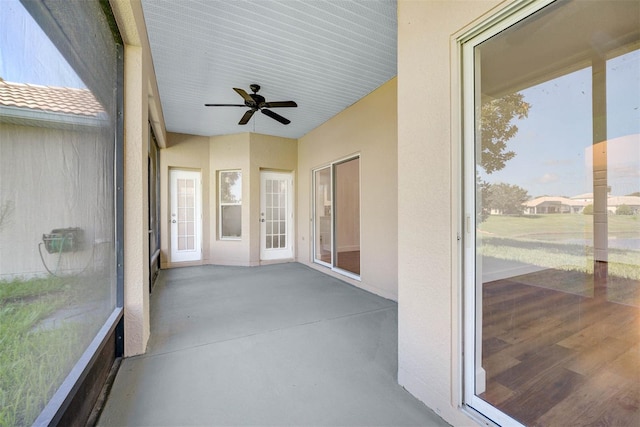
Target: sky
[[27, 55], [553, 145]]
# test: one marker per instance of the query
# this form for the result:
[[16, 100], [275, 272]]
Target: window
[[230, 204], [552, 251], [60, 242], [336, 216]]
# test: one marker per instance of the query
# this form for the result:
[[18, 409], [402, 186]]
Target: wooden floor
[[349, 260], [560, 359]]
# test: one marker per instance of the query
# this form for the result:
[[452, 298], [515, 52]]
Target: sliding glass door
[[347, 215], [552, 261], [322, 214], [336, 216]]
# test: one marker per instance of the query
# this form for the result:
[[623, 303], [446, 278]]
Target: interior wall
[[429, 141], [250, 153], [367, 128]]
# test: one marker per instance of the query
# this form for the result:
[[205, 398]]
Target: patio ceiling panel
[[324, 54]]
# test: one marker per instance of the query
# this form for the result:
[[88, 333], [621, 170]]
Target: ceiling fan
[[257, 103]]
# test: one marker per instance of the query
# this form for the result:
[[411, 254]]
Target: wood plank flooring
[[560, 359], [347, 260]]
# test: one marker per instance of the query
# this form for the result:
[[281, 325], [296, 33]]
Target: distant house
[[554, 204], [584, 197], [613, 203], [576, 204]]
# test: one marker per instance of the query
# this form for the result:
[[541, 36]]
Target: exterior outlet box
[[63, 240]]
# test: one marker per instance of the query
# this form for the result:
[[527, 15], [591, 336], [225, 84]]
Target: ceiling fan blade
[[276, 116], [244, 95], [247, 116], [279, 104], [224, 105]]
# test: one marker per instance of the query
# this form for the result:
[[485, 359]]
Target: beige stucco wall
[[141, 106], [429, 141], [187, 152], [230, 152], [48, 181], [250, 153], [266, 153], [367, 128]]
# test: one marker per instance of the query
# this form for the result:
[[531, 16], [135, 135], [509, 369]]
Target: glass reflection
[[558, 220]]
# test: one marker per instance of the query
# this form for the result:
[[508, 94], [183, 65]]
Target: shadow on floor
[[272, 345]]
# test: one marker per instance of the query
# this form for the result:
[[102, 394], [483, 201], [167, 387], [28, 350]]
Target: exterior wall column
[[136, 239], [600, 181]]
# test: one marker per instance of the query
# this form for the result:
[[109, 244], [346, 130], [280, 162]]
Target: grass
[[559, 226], [550, 241], [34, 359]]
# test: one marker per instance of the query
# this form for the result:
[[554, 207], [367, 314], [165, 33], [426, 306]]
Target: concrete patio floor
[[272, 345]]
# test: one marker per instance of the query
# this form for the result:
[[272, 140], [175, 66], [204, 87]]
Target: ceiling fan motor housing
[[258, 100]]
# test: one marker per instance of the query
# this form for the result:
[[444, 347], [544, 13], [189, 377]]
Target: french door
[[186, 216], [276, 215]]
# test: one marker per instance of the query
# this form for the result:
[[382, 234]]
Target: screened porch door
[[276, 215]]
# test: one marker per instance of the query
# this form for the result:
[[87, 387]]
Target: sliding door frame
[[474, 377], [332, 167]]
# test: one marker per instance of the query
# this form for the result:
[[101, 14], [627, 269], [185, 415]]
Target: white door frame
[[266, 219], [193, 250]]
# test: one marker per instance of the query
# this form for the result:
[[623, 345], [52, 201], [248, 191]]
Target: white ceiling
[[323, 54]]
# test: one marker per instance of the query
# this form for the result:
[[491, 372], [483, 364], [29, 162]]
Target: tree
[[624, 210], [228, 180], [496, 129], [588, 210], [482, 209], [506, 198]]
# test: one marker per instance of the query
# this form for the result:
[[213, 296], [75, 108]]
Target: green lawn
[[559, 226], [35, 359], [563, 242]]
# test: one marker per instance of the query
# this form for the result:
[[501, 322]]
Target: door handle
[[173, 221], [262, 220]]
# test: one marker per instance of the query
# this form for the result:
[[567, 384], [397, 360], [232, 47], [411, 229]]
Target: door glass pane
[[276, 207], [558, 216], [186, 214], [322, 204], [347, 222]]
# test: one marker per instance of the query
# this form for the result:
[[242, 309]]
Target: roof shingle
[[64, 100]]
